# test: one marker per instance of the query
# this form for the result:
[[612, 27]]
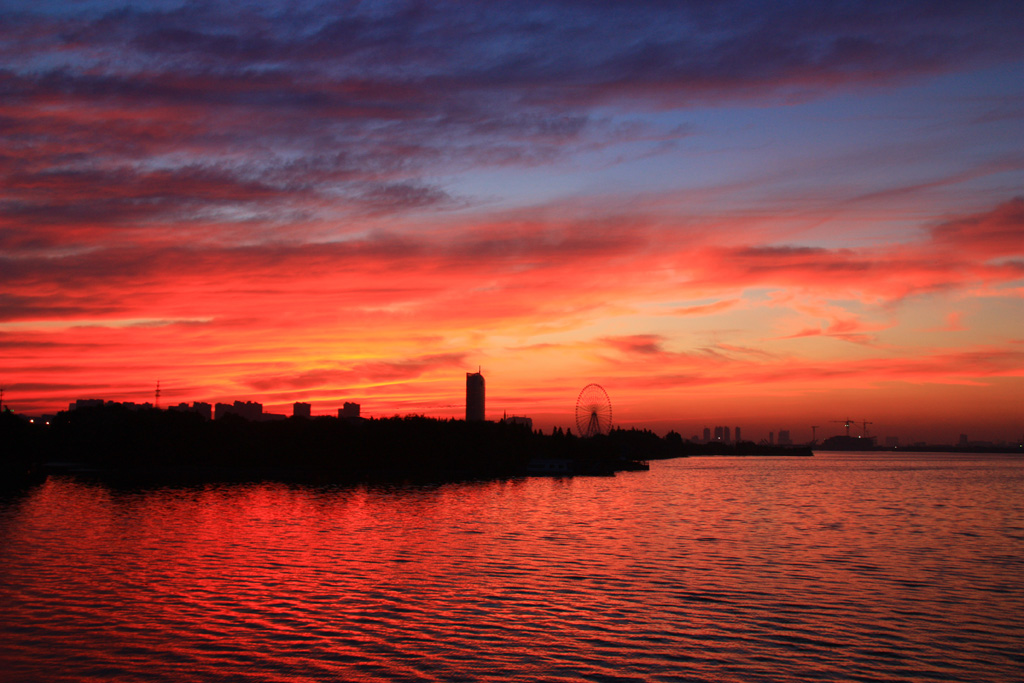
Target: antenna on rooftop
[[157, 397]]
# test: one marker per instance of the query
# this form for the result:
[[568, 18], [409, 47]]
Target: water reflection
[[710, 569]]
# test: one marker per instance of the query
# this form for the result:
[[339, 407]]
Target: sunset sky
[[770, 215]]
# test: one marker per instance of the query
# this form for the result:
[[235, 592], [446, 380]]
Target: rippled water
[[863, 567]]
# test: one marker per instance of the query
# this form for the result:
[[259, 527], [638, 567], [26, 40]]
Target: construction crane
[[847, 422]]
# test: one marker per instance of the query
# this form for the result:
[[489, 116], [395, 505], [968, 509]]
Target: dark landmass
[[20, 464], [113, 441]]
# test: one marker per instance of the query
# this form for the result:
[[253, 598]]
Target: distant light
[[31, 420]]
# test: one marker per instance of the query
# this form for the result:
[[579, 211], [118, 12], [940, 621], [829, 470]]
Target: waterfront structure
[[300, 409], [474, 397]]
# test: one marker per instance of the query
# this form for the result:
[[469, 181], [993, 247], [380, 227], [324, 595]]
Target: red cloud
[[997, 234], [707, 309], [645, 344]]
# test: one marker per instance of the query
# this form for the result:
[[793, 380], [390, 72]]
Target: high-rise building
[[300, 409], [725, 435], [738, 435], [86, 403], [250, 410], [784, 439], [474, 397], [707, 434], [349, 410], [204, 409]]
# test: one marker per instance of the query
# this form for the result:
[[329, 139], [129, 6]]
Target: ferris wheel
[[593, 411]]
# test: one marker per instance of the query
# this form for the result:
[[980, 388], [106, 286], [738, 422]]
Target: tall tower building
[[474, 397]]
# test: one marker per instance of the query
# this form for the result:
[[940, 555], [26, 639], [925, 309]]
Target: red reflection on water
[[707, 568]]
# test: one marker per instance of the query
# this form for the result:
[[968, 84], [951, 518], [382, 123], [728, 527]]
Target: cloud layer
[[355, 201]]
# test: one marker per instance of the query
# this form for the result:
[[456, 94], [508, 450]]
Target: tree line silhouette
[[113, 440]]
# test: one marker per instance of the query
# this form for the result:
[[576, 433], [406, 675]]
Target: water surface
[[864, 567]]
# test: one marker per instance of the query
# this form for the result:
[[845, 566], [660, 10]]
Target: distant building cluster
[[784, 438], [250, 410], [253, 410], [721, 434], [204, 409], [97, 402], [725, 435]]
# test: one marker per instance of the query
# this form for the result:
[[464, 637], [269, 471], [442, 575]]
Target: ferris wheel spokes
[[593, 411]]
